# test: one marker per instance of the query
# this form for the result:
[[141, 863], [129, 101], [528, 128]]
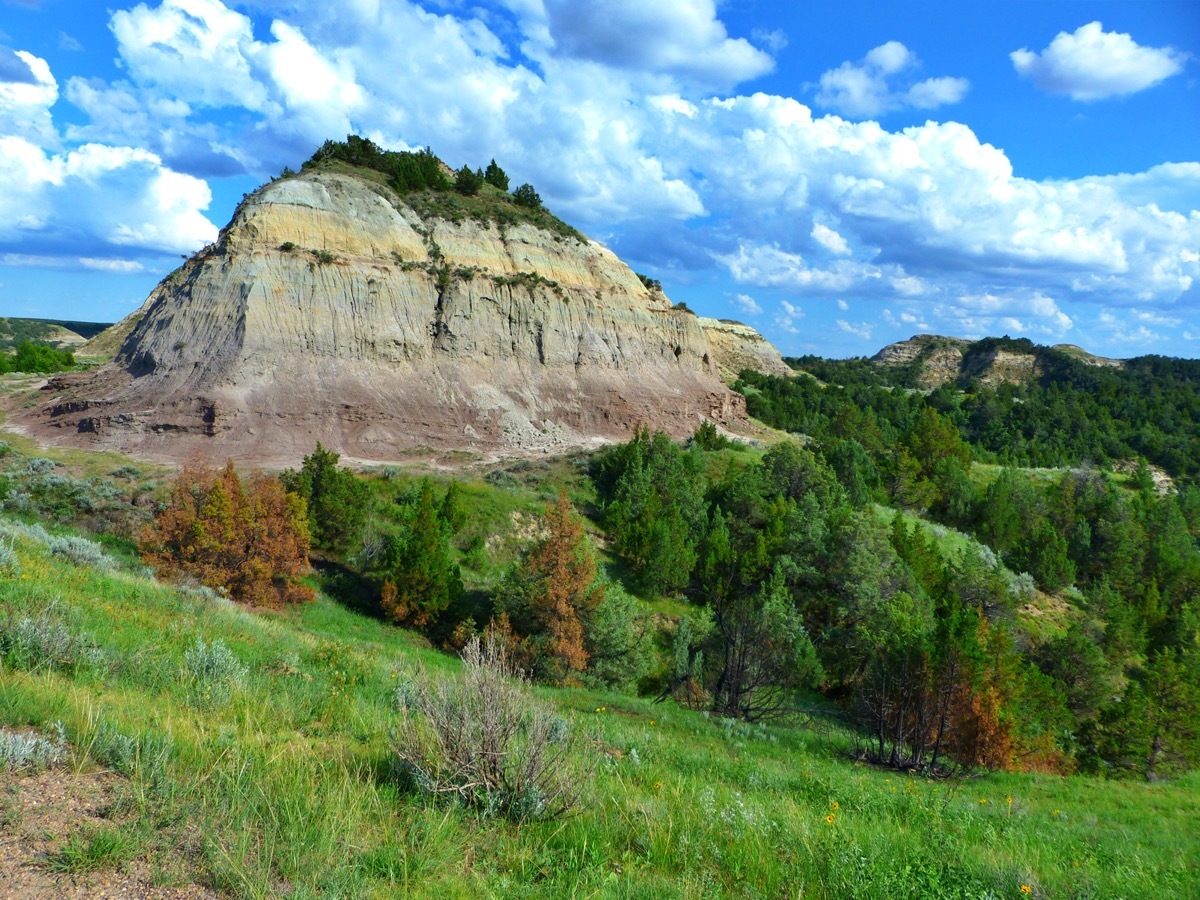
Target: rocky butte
[[938, 359], [333, 309]]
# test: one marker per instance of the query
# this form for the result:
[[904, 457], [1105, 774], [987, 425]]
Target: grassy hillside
[[13, 331], [271, 773]]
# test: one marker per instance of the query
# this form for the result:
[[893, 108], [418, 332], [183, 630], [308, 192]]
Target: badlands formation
[[330, 310]]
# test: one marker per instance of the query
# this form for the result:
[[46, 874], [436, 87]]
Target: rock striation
[[331, 310]]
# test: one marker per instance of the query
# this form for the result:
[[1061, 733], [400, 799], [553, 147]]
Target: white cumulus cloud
[[787, 316], [199, 50], [862, 330], [747, 304], [873, 86], [1093, 64], [830, 240], [27, 91], [97, 198], [682, 38]]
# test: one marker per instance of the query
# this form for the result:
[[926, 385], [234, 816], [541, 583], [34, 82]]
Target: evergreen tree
[[526, 196], [252, 543], [552, 593], [468, 181], [765, 652], [855, 470], [422, 578], [618, 637], [496, 176], [656, 510], [337, 501]]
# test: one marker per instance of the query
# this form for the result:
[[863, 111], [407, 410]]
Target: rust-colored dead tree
[[554, 592], [251, 542]]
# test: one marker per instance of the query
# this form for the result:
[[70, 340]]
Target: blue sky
[[839, 175]]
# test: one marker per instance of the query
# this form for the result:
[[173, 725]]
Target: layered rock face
[[946, 359], [329, 310], [941, 357], [735, 347]]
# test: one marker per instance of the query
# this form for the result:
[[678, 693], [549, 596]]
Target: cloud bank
[[638, 122]]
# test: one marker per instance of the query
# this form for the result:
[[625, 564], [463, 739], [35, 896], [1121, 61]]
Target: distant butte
[[941, 359]]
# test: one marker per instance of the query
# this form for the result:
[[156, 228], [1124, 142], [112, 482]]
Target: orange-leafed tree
[[250, 541], [979, 725], [551, 594]]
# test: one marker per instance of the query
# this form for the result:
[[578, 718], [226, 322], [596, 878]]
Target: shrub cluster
[[10, 563], [39, 358], [81, 552], [212, 670], [337, 502], [43, 641]]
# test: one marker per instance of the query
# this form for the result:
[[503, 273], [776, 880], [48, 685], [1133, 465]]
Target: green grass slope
[[269, 770]]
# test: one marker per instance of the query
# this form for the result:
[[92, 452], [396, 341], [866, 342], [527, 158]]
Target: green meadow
[[258, 752]]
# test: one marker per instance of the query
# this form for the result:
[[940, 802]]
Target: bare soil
[[39, 814]]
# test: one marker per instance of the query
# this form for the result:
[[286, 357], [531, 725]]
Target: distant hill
[[53, 331], [934, 360], [1012, 400]]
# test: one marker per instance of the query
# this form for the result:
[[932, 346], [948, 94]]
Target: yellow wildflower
[[834, 806], [1026, 889], [829, 818]]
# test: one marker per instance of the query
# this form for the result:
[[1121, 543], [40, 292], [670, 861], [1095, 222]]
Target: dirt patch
[[40, 815]]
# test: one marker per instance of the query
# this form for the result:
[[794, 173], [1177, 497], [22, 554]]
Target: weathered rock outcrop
[[941, 358], [944, 359], [998, 366], [330, 310], [734, 347], [1090, 358]]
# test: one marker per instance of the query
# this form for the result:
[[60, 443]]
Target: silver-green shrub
[[30, 752], [213, 670], [39, 465], [482, 739], [10, 563], [12, 529], [43, 641], [81, 552], [1022, 586]]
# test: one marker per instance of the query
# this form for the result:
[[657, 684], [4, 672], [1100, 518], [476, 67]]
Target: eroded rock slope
[[331, 310]]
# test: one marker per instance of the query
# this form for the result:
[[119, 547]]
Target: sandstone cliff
[[331, 310]]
